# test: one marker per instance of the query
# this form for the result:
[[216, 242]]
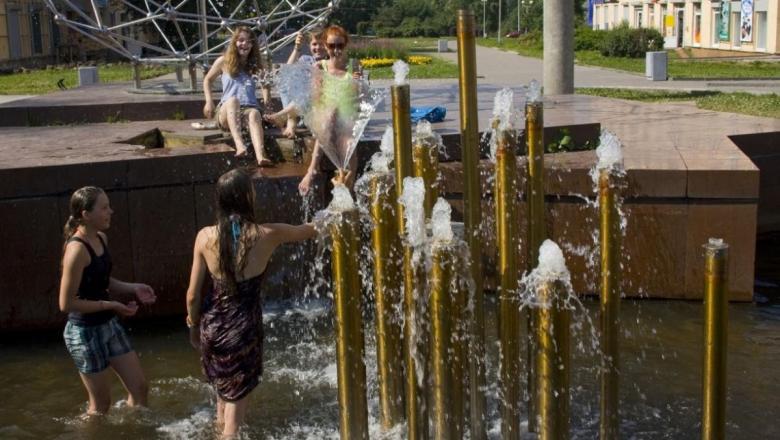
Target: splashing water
[[370, 100], [401, 71], [504, 110], [424, 134], [609, 152], [505, 117], [342, 199], [380, 161], [610, 159], [552, 265], [534, 92], [294, 84], [413, 198], [440, 221], [339, 112]]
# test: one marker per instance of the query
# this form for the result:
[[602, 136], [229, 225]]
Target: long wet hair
[[83, 199], [337, 31], [233, 61], [235, 215]]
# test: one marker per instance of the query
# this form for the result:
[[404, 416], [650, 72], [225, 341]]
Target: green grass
[[528, 48], [437, 68], [678, 68], [421, 44], [745, 103], [38, 82]]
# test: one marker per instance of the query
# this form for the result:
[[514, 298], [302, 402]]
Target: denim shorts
[[92, 347]]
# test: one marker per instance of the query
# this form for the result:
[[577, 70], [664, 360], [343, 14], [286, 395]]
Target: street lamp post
[[484, 22], [526, 6], [499, 21]]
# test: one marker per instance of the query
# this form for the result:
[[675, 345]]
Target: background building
[[29, 35], [27, 31], [746, 25]]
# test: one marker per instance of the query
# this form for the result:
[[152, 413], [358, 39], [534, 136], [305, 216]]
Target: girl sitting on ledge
[[238, 107]]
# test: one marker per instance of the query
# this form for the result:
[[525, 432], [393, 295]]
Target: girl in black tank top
[[95, 279], [93, 335]]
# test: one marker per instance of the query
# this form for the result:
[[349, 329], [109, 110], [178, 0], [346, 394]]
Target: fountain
[[439, 312]]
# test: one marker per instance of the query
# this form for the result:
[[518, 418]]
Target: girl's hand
[[195, 337], [341, 177], [128, 309], [208, 110], [144, 294], [299, 40]]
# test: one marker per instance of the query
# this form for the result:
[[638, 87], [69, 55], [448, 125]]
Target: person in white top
[[287, 117]]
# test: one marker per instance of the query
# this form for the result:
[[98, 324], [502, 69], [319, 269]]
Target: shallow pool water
[[660, 388]]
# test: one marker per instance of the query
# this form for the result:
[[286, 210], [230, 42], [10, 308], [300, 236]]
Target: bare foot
[[241, 151], [305, 185], [263, 162], [289, 132], [274, 119]]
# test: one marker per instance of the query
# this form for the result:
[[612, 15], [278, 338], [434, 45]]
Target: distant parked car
[[513, 34]]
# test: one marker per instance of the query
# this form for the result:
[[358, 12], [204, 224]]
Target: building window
[[697, 25], [37, 42], [760, 29], [651, 17]]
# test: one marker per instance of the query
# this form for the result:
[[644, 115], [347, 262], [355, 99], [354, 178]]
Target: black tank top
[[94, 285]]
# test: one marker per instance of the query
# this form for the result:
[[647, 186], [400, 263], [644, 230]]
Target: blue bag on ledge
[[430, 114]]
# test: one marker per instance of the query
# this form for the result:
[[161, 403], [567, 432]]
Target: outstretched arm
[[197, 275], [214, 72], [296, 53], [281, 233]]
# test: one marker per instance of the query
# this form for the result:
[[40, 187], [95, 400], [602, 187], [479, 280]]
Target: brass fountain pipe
[[442, 303], [508, 274], [552, 362], [459, 350], [716, 297], [351, 370], [536, 232], [610, 246], [386, 247], [416, 416], [426, 165], [469, 143]]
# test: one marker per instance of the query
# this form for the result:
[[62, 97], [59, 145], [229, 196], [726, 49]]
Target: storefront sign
[[724, 24], [746, 27]]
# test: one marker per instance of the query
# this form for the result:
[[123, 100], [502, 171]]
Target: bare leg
[[289, 129], [99, 391], [256, 131], [220, 414], [234, 417], [305, 184], [128, 368], [280, 115], [230, 112]]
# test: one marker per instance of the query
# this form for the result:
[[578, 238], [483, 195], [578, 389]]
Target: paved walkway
[[499, 67], [11, 98]]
